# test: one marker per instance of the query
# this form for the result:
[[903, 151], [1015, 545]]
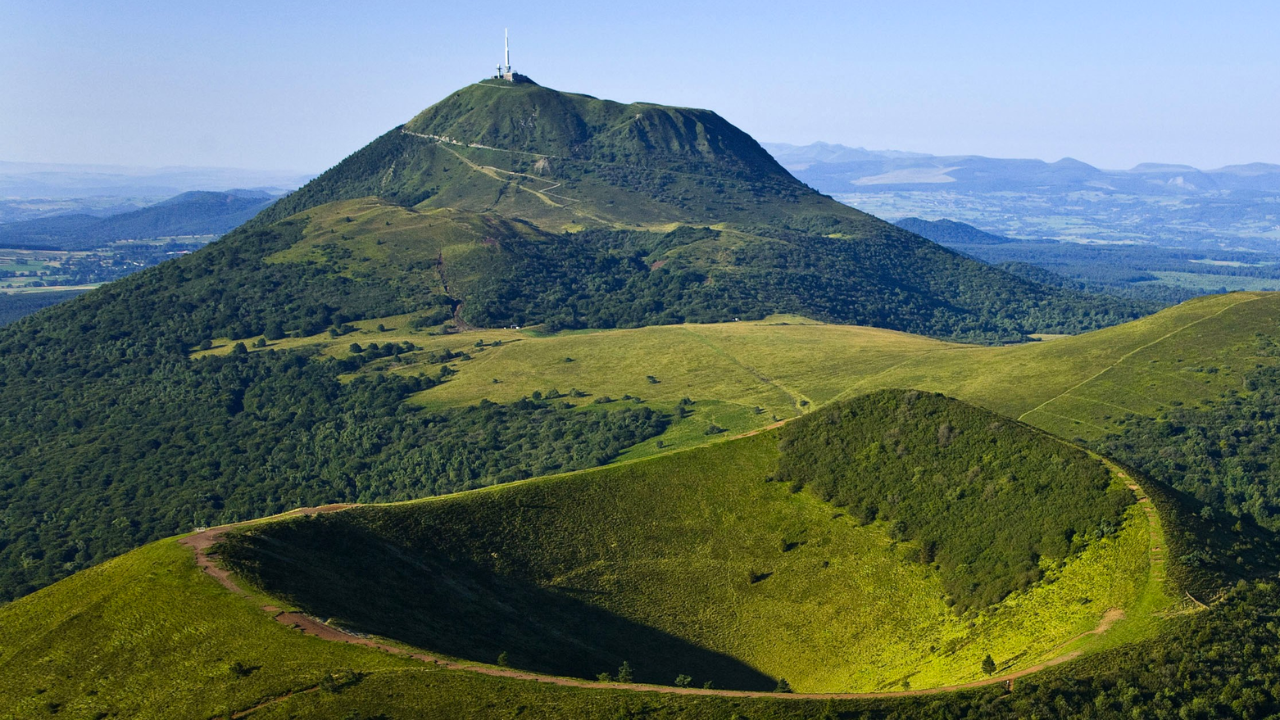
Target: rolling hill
[[191, 213], [696, 563], [658, 216], [163, 639], [950, 232]]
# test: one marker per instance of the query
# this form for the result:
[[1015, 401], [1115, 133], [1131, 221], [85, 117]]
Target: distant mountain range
[[840, 169], [187, 214], [52, 181], [1177, 206]]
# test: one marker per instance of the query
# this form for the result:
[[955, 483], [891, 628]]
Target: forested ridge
[[987, 501], [113, 436], [1226, 454], [607, 279]]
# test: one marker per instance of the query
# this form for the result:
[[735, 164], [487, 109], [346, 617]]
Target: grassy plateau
[[750, 374]]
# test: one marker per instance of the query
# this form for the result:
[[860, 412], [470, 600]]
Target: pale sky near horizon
[[298, 86]]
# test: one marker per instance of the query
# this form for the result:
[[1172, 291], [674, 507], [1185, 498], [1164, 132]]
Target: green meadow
[[756, 373]]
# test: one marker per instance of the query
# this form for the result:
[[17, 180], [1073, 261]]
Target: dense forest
[[113, 436], [19, 305], [1226, 454], [607, 279], [1220, 461], [985, 499]]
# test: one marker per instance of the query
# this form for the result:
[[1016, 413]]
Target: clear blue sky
[[293, 85]]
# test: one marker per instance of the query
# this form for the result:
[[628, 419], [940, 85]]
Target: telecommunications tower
[[504, 68]]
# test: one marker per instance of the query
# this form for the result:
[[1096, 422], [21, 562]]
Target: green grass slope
[[691, 563], [56, 642], [989, 503], [1076, 387], [698, 563], [150, 636]]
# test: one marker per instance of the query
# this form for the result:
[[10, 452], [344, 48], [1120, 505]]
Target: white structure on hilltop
[[504, 69]]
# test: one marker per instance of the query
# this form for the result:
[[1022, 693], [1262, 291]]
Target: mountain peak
[[566, 160], [529, 118]]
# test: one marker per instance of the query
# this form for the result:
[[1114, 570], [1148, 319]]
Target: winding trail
[[201, 542], [498, 174]]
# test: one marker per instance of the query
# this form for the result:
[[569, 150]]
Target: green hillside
[[1082, 386], [148, 635], [696, 563], [138, 638], [116, 435], [181, 421]]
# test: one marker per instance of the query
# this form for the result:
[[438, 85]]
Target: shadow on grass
[[454, 605]]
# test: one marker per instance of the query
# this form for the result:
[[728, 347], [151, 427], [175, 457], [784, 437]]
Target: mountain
[[191, 213], [563, 160], [686, 217], [950, 232], [502, 205], [839, 169]]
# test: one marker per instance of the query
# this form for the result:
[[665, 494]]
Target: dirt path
[[1155, 541], [1131, 353], [200, 543]]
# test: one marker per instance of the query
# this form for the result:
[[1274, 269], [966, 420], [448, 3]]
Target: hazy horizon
[[298, 87]]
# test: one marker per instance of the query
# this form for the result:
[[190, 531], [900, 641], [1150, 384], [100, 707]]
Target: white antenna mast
[[506, 42]]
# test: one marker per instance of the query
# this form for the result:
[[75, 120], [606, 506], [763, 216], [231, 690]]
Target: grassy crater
[[698, 563]]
